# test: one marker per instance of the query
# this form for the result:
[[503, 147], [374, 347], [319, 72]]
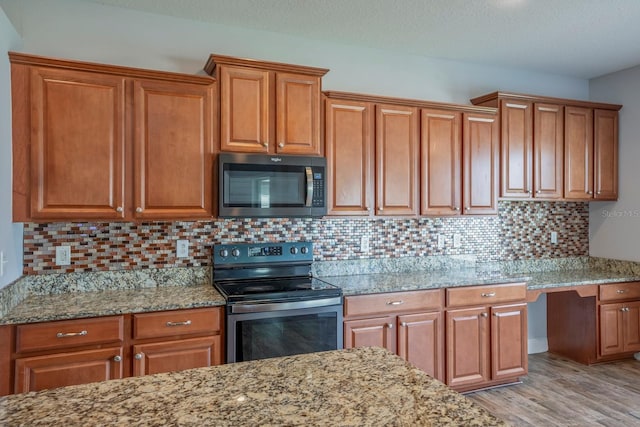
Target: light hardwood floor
[[560, 392]]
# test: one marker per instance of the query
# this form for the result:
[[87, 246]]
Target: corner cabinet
[[268, 107], [53, 354], [401, 157], [93, 141], [407, 323], [556, 149], [486, 335]]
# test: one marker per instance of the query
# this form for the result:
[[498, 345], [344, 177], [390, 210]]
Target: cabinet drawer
[[178, 322], [486, 294], [620, 291], [393, 302], [68, 333]]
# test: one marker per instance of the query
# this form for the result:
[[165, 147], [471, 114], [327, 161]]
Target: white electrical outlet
[[182, 248], [2, 263], [63, 255], [457, 240], [440, 241], [554, 237], [364, 244]]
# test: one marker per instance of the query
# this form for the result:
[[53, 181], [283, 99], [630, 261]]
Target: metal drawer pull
[[395, 302], [185, 323], [622, 291], [489, 294], [71, 334]]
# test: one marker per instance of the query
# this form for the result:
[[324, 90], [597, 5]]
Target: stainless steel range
[[274, 306]]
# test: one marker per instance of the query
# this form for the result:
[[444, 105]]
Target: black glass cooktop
[[276, 289]]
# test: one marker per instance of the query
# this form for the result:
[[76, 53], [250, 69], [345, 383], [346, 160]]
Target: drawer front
[[360, 305], [178, 322], [68, 333], [486, 294], [620, 291]]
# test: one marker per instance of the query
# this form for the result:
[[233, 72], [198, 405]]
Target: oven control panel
[[253, 253]]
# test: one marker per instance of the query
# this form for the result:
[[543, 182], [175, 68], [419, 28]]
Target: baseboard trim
[[538, 345]]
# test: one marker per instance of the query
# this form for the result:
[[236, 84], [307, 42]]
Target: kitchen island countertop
[[357, 387]]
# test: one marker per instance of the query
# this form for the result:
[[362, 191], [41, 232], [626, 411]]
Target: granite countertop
[[356, 387], [74, 305], [392, 282]]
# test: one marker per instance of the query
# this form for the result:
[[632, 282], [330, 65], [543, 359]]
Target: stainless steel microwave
[[263, 185]]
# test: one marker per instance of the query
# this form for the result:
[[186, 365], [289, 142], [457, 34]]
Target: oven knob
[[304, 249], [235, 252], [293, 250], [224, 253]]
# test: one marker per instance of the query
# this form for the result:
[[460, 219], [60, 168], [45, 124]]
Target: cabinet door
[[63, 369], [421, 340], [244, 109], [440, 146], [578, 153], [480, 144], [605, 145], [375, 332], [349, 149], [611, 329], [173, 152], [77, 145], [298, 114], [467, 332], [508, 341], [548, 148], [169, 356], [396, 160], [631, 326], [517, 148]]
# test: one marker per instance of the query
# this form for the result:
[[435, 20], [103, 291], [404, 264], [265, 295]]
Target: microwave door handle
[[309, 174]]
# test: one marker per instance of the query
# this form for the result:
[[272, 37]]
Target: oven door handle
[[253, 307], [309, 174]]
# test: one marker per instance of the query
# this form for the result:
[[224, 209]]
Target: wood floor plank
[[560, 392]]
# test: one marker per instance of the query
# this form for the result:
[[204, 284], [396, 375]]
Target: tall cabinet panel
[[548, 146], [173, 148], [481, 163], [578, 150], [298, 114], [441, 147], [517, 146], [396, 160], [605, 154], [77, 144], [349, 150]]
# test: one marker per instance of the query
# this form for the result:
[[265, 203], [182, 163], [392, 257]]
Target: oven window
[[285, 336], [259, 186]]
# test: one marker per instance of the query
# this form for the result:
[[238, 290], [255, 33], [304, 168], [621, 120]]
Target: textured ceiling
[[580, 38]]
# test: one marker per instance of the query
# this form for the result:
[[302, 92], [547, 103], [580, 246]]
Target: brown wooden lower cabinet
[[63, 369], [374, 332], [168, 356], [597, 328], [420, 338], [54, 354]]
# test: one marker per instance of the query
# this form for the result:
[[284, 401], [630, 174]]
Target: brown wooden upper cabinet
[[406, 157], [556, 149], [268, 107], [93, 141]]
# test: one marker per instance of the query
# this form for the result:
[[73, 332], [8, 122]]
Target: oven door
[[271, 186], [283, 332]]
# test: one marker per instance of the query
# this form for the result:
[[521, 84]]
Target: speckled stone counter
[[358, 387], [73, 305]]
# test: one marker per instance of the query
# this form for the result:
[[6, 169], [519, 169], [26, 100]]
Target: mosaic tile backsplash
[[520, 231]]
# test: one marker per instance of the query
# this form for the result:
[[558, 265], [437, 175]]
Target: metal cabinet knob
[[403, 324], [138, 356], [119, 209], [599, 192], [467, 208], [117, 359], [484, 314], [265, 143], [139, 209], [589, 192], [537, 191], [281, 145], [455, 208], [390, 325]]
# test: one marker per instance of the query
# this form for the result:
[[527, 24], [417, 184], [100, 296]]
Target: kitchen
[[610, 237]]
